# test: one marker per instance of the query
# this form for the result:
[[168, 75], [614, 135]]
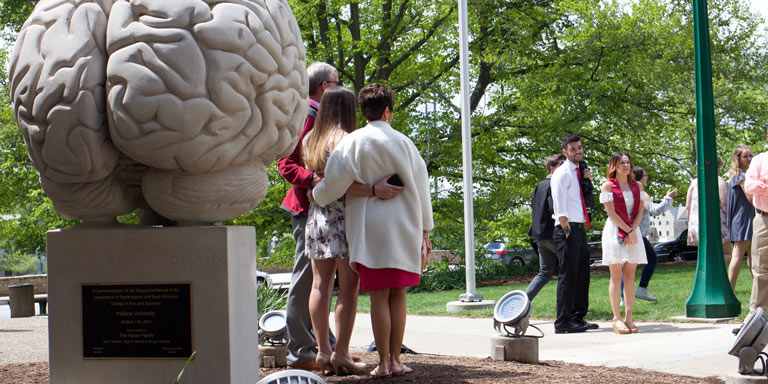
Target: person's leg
[[613, 289], [397, 312], [759, 296], [323, 272], [382, 326], [548, 265], [629, 293], [727, 250], [649, 268], [301, 342], [346, 305], [567, 257], [581, 302], [739, 247]]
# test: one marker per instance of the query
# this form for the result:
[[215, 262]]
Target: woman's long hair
[[337, 112], [614, 164], [735, 170]]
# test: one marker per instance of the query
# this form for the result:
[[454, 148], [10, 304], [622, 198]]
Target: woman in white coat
[[388, 239]]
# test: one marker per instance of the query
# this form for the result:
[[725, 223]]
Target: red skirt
[[372, 279]]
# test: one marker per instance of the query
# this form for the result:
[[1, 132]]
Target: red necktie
[[581, 194]]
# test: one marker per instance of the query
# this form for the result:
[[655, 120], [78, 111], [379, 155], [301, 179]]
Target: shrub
[[442, 276], [19, 263]]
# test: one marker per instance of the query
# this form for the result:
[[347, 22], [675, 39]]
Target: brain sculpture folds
[[174, 104]]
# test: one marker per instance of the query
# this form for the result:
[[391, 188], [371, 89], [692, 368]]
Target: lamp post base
[[458, 306]]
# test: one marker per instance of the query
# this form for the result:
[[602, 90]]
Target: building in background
[[668, 225]]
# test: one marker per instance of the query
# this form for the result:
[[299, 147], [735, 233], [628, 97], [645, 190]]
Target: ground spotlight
[[512, 311], [272, 327], [750, 342]]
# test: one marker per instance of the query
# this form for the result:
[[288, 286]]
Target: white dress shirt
[[566, 193]]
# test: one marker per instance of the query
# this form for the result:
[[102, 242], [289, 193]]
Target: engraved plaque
[[137, 321]]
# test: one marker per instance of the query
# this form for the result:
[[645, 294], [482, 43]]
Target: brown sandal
[[620, 328], [633, 328]]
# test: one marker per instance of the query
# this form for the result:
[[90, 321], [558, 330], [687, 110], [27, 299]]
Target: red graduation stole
[[621, 207]]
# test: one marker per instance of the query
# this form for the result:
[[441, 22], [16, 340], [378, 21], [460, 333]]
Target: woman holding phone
[[622, 244]]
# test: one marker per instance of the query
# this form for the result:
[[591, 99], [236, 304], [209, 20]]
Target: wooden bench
[[41, 299]]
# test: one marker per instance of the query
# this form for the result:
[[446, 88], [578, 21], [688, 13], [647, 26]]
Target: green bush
[[19, 263], [282, 254], [442, 276]]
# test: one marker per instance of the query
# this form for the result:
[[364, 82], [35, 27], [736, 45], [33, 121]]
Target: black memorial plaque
[[137, 321]]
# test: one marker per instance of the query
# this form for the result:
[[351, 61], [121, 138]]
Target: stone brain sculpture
[[174, 104]]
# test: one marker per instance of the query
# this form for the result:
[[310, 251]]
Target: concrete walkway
[[695, 349]]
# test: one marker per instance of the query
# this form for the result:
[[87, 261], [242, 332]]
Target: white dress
[[613, 252]]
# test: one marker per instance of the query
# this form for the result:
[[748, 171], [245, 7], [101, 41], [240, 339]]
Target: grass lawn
[[671, 284]]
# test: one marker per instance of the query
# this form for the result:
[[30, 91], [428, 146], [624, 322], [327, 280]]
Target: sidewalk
[[695, 349]]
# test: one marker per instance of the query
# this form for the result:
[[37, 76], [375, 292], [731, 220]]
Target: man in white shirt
[[571, 223]]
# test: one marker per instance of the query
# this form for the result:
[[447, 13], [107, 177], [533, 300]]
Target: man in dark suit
[[570, 235], [542, 226]]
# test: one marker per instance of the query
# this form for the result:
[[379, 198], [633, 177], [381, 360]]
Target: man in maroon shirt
[[302, 346]]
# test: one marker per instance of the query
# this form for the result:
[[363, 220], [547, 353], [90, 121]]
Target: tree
[[619, 73]]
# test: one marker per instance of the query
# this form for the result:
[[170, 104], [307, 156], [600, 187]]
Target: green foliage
[[442, 276], [19, 263], [619, 73], [671, 284], [189, 360], [270, 299]]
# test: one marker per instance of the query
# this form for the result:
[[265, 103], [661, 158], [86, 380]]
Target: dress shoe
[[570, 327], [584, 323], [324, 362], [642, 293], [345, 365], [309, 365]]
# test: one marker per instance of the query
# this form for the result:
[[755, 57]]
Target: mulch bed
[[445, 369]]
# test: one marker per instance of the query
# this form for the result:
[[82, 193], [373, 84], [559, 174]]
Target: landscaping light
[[751, 341], [512, 310], [272, 326]]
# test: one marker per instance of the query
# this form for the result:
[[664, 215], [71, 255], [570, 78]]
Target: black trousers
[[573, 278]]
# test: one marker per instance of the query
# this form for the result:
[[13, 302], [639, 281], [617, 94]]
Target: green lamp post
[[712, 295]]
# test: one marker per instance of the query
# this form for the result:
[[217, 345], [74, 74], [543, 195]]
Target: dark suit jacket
[[542, 223]]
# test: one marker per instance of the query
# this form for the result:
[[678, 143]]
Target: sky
[[761, 6]]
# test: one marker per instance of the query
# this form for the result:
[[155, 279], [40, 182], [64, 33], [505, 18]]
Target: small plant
[[191, 357], [270, 299]]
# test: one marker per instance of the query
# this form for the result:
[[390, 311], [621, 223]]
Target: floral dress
[[325, 234]]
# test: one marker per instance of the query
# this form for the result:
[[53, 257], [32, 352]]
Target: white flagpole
[[466, 144]]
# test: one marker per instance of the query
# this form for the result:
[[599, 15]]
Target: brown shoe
[[309, 365]]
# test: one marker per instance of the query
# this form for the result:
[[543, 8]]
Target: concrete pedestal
[[273, 356], [219, 264], [22, 300], [522, 349]]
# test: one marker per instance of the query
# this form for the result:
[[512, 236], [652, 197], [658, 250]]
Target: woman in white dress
[[622, 243]]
